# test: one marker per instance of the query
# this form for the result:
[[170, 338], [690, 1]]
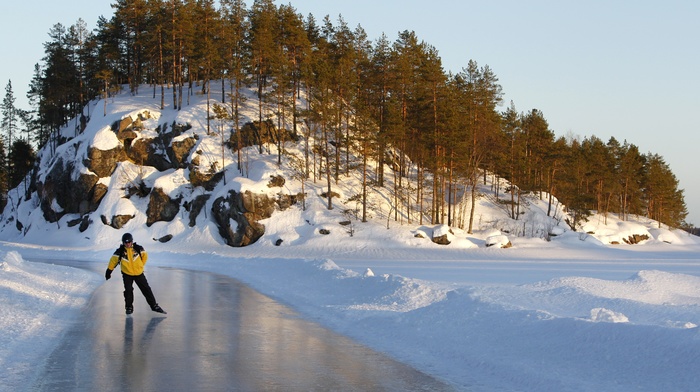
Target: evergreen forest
[[389, 102]]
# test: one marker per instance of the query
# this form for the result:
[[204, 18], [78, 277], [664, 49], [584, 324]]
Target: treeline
[[17, 161], [387, 102]]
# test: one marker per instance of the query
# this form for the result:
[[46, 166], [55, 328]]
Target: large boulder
[[635, 238], [226, 210], [65, 192], [160, 151], [195, 207], [155, 152], [149, 152], [204, 177], [498, 240], [161, 207], [180, 150], [104, 162], [132, 121], [442, 235], [119, 221], [244, 210]]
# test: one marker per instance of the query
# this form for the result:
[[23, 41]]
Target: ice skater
[[133, 259]]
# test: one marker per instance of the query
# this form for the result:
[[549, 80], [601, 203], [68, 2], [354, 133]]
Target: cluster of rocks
[[79, 191]]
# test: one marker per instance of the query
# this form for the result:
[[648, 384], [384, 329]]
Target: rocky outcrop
[[116, 221], [246, 209], [180, 150], [104, 162], [165, 151], [204, 177], [161, 207], [68, 190], [635, 239], [195, 207], [276, 182], [74, 187], [119, 221], [131, 122]]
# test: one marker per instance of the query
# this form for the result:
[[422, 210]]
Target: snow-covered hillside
[[23, 220], [571, 314]]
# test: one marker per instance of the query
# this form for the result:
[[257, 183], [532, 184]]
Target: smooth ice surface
[[218, 335]]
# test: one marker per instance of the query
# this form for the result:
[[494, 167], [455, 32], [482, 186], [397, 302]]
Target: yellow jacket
[[132, 259]]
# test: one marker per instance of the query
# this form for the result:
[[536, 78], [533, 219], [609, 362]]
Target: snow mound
[[608, 316], [497, 240], [37, 302], [649, 297], [441, 230], [648, 287]]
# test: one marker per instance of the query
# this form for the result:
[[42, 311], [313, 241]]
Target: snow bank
[[38, 302]]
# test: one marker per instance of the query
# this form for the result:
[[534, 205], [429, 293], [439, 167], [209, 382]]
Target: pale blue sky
[[628, 69]]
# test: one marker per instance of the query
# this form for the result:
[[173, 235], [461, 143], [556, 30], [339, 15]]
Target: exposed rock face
[[441, 240], [129, 122], [103, 162], [206, 178], [74, 187], [195, 207], [161, 152], [69, 191], [231, 209], [164, 238], [635, 239], [237, 214], [161, 207], [84, 195], [276, 181], [118, 221], [180, 150]]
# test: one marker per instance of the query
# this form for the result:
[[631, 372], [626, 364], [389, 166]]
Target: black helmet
[[127, 237]]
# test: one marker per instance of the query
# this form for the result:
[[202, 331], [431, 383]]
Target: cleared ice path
[[218, 335]]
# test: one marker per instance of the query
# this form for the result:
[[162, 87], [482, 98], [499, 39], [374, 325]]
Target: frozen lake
[[218, 335]]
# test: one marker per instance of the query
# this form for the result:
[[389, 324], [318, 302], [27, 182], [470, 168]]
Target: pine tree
[[58, 84], [263, 18], [631, 165], [3, 177], [572, 192], [78, 43], [663, 198], [35, 97], [479, 95], [234, 27], [513, 164], [379, 100], [406, 57], [20, 162], [364, 128], [130, 22], [429, 121], [9, 113]]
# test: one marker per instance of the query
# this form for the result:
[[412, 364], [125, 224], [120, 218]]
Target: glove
[[108, 274]]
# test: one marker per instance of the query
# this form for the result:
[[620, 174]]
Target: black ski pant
[[142, 283]]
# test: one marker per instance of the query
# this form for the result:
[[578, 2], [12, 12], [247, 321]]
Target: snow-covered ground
[[571, 314], [557, 316]]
